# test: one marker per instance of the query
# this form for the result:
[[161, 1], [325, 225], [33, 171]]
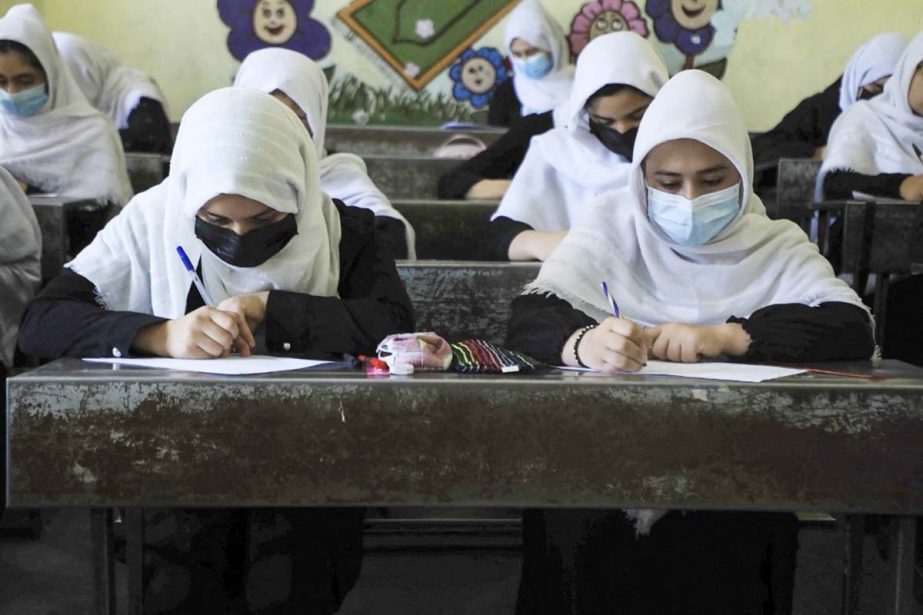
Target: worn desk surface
[[88, 434]]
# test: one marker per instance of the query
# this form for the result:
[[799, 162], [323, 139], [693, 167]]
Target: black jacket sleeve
[[841, 184], [392, 234], [499, 161], [501, 232], [504, 108], [803, 129], [65, 320], [541, 325], [372, 303], [148, 129], [796, 332]]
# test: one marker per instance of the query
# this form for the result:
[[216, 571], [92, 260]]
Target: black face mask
[[621, 143], [250, 250]]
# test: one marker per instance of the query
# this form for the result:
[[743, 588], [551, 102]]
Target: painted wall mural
[[256, 24], [429, 61]]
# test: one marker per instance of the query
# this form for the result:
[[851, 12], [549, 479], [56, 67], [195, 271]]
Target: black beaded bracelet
[[580, 335]]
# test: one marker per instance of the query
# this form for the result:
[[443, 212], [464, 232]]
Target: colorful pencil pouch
[[481, 357]]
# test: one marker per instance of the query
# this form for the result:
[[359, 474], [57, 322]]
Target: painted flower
[[425, 28], [411, 70], [604, 16], [477, 74], [684, 23]]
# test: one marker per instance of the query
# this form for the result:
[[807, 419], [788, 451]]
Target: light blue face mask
[[534, 67], [25, 103], [695, 222]]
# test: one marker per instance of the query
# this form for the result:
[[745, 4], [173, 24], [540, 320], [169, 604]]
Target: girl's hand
[[205, 333], [912, 188], [616, 345], [251, 308], [689, 343]]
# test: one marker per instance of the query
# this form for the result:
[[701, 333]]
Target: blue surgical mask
[[25, 103], [534, 67], [695, 222]]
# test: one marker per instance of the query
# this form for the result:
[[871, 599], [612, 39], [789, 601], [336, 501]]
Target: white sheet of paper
[[230, 366], [733, 372]]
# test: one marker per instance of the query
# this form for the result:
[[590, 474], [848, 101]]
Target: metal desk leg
[[853, 536], [103, 561], [134, 535], [902, 563]]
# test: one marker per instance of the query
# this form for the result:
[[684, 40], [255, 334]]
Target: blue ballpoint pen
[[610, 299], [195, 277]]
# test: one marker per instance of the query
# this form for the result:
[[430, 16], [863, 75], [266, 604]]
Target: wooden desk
[[90, 435], [447, 230], [409, 177], [397, 140]]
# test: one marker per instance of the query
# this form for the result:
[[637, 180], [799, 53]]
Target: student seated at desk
[[586, 154], [698, 271], [876, 147], [804, 130], [127, 95], [542, 74], [299, 82], [20, 263], [278, 256], [51, 139]]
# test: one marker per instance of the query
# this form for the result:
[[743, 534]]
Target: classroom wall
[[783, 51]]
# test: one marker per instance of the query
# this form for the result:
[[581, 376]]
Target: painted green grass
[[394, 107]]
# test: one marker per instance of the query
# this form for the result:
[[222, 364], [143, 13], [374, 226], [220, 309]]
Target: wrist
[[733, 338], [152, 339]]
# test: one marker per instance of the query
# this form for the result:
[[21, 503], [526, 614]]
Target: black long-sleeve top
[[148, 129], [499, 161], [504, 108], [66, 319], [841, 183], [803, 129], [540, 326], [500, 233]]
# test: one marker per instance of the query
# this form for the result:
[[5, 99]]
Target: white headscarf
[[873, 61], [69, 147], [754, 263], [531, 22], [567, 167], [342, 176], [882, 135], [109, 86], [20, 261], [232, 141]]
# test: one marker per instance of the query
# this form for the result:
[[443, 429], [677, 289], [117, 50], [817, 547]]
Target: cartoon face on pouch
[[694, 14], [478, 75], [274, 21]]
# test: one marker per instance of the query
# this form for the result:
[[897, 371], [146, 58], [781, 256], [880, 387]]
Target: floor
[[53, 576]]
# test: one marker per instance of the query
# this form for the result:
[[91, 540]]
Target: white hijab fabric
[[342, 176], [20, 261], [882, 135], [109, 86], [69, 147], [873, 61], [232, 141], [754, 263], [567, 167], [531, 22]]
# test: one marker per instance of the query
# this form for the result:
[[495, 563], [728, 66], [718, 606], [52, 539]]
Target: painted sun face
[[693, 14], [478, 75], [606, 22], [274, 21]]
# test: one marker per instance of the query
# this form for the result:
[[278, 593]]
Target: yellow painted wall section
[[773, 65]]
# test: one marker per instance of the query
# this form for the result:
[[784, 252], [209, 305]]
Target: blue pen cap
[[182, 255]]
